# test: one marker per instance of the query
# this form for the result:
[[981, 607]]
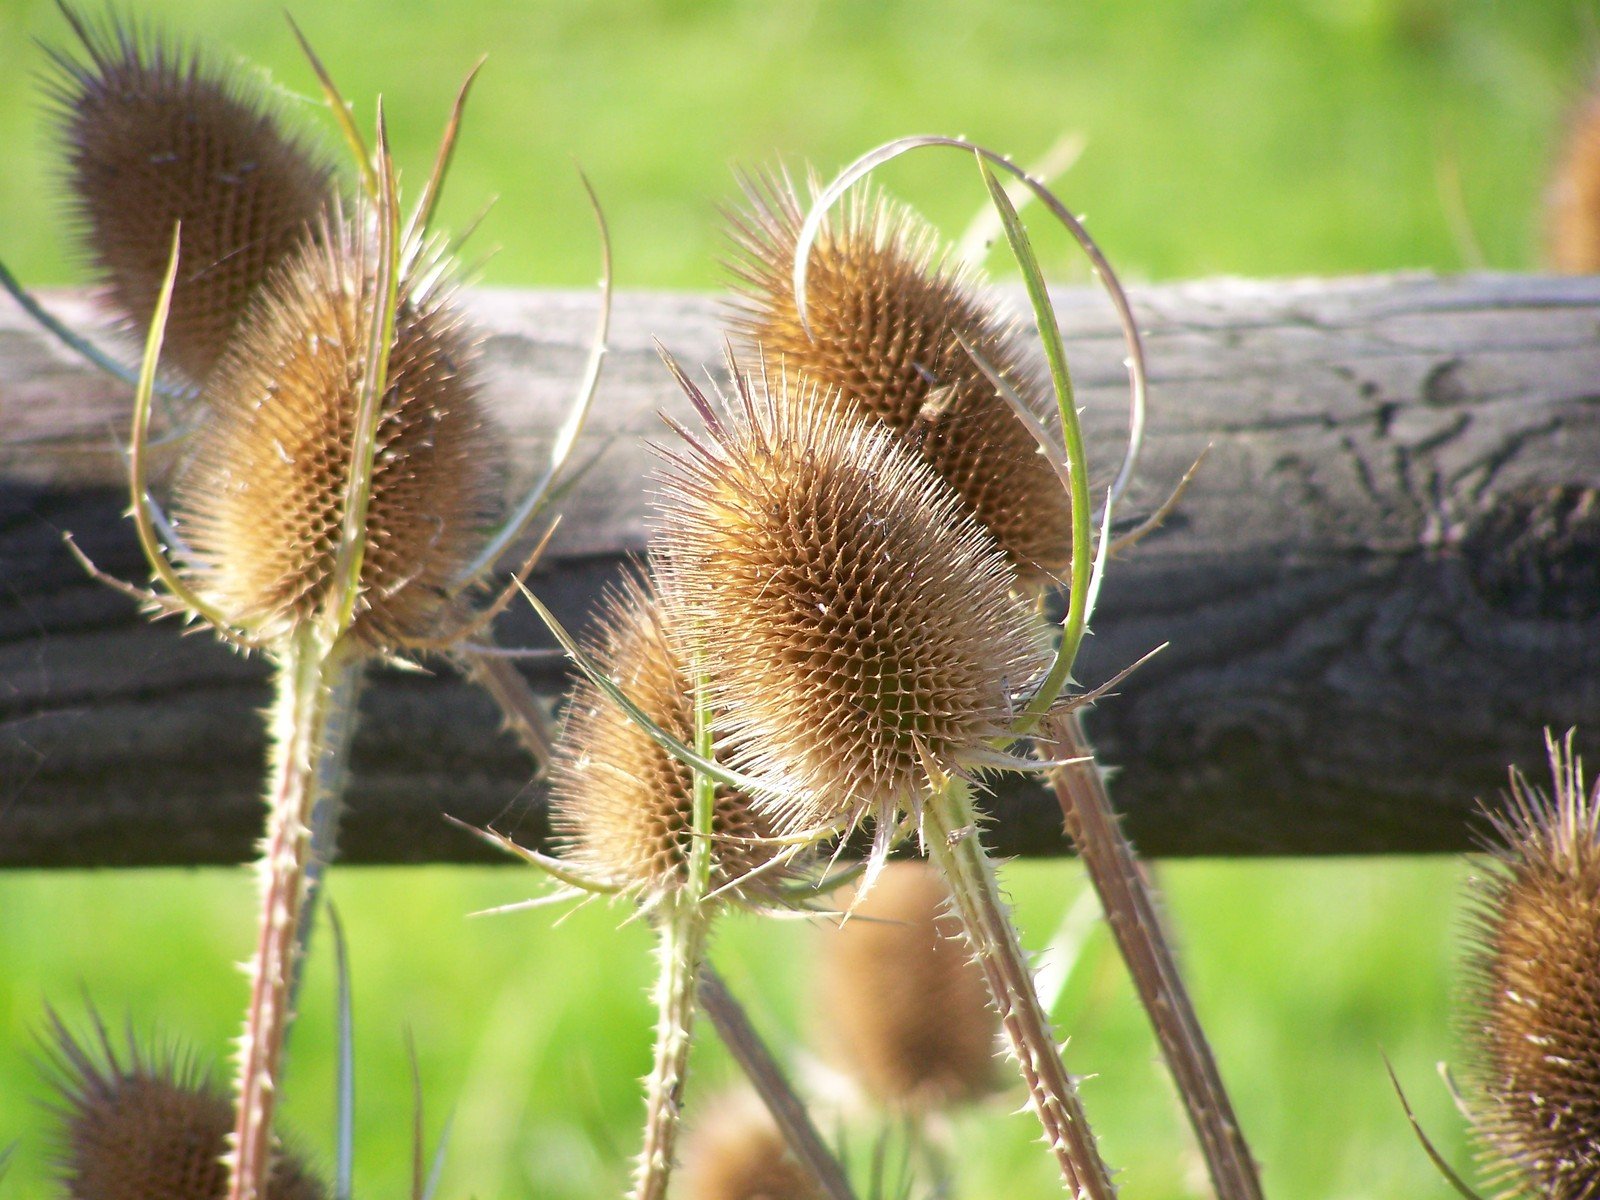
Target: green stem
[[309, 671], [682, 933], [949, 829]]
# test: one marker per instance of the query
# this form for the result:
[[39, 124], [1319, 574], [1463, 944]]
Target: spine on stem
[[681, 932], [311, 676], [950, 830], [1130, 910]]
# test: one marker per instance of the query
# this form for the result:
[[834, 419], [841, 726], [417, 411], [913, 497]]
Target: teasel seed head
[[735, 1152], [1534, 988], [905, 1006], [621, 807], [144, 1129], [260, 498], [158, 134], [888, 312], [857, 626], [1573, 200]]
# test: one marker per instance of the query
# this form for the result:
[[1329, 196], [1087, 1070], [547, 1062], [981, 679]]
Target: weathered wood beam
[[1383, 586]]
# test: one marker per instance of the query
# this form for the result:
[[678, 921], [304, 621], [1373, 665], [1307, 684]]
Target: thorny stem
[[950, 832], [518, 705], [1131, 912], [308, 671], [766, 1076], [683, 926], [681, 932]]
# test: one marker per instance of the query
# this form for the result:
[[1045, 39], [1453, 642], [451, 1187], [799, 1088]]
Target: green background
[[1225, 137]]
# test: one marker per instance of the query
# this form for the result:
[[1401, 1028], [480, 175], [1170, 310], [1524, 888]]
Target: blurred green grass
[[1223, 136]]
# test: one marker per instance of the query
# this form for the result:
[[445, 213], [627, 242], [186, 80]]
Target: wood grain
[[1381, 589]]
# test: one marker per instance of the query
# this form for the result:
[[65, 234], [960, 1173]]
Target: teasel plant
[[734, 1151], [680, 846], [870, 301], [336, 507], [906, 1013], [1531, 1016], [147, 1125]]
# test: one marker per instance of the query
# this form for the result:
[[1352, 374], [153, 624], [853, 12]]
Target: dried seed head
[[156, 134], [260, 499], [1534, 998], [903, 1003], [621, 807], [735, 1152], [887, 311], [1573, 202], [857, 625], [148, 1130]]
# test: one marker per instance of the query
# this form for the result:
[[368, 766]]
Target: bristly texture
[[1535, 989], [621, 807], [1573, 202], [143, 1130], [735, 1152], [857, 625], [902, 1001], [886, 308], [157, 134], [261, 497]]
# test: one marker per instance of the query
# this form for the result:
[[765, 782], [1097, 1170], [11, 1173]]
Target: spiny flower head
[[157, 135], [904, 1004], [1573, 203], [1535, 988], [261, 498], [148, 1130], [888, 313], [621, 807], [857, 626], [735, 1152]]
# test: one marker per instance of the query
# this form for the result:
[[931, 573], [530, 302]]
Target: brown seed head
[[621, 806], [1573, 201], [156, 134], [1534, 999], [148, 1130], [857, 625], [887, 308], [735, 1152], [903, 1003], [260, 500]]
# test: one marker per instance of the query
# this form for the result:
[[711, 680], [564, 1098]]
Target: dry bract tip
[[906, 1008], [260, 499], [158, 135], [1535, 988], [735, 1152], [857, 626], [621, 807], [888, 312], [137, 1129]]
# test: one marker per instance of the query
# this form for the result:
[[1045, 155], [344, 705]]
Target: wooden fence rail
[[1381, 589]]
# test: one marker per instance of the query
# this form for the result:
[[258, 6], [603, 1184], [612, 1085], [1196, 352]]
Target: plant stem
[[1131, 912], [767, 1077], [949, 829], [309, 675], [681, 941]]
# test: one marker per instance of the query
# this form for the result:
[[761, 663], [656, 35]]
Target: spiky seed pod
[[735, 1152], [857, 625], [157, 134], [903, 1003], [260, 498], [1573, 200], [888, 310], [148, 1130], [621, 807], [1534, 989]]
